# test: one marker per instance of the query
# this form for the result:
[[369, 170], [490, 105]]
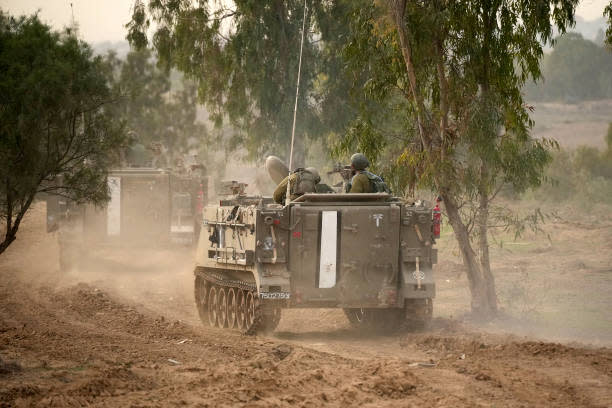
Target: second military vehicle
[[148, 208], [369, 254]]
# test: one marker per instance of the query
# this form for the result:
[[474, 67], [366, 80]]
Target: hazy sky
[[99, 20], [104, 20]]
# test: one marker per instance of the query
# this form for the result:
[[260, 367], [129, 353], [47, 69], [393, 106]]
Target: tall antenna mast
[[297, 92], [73, 26]]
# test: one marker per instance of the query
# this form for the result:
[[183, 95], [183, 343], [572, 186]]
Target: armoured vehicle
[[148, 208], [369, 254]]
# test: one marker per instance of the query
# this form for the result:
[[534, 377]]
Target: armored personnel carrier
[[369, 254], [149, 208]]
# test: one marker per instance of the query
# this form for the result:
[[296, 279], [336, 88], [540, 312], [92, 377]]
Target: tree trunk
[[12, 227], [8, 240], [477, 279], [398, 8], [483, 241], [482, 285]]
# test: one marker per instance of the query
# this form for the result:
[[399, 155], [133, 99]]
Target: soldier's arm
[[280, 191], [359, 184]]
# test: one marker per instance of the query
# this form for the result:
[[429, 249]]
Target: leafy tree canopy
[[449, 76], [608, 14], [159, 107], [245, 61], [55, 121], [576, 69]]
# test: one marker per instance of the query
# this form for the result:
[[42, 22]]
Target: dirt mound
[[88, 302]]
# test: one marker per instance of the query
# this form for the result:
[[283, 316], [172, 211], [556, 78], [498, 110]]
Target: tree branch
[[398, 9]]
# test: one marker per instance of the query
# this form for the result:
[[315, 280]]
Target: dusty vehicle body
[[148, 208], [369, 254]]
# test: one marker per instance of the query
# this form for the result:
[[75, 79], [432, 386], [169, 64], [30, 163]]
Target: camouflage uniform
[[360, 183], [301, 181], [281, 190]]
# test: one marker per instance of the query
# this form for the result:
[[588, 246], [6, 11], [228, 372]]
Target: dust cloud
[[121, 328]]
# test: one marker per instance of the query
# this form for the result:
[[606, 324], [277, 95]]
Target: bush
[[577, 69], [579, 175]]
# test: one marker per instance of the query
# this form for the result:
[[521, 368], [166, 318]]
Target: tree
[[159, 105], [54, 121], [576, 69], [451, 72], [146, 89], [245, 62]]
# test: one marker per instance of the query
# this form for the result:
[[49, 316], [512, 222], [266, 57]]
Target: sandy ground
[[127, 334]]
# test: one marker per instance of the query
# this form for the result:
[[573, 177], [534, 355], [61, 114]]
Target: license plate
[[275, 295]]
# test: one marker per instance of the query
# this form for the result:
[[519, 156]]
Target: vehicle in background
[[148, 208]]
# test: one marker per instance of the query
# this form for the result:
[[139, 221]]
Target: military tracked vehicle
[[149, 208], [369, 254]]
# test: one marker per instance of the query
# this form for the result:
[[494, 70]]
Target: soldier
[[363, 181], [302, 181]]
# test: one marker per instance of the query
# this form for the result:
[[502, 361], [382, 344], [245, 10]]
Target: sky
[[98, 20], [104, 20]]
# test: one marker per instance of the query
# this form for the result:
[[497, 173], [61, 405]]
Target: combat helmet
[[359, 161]]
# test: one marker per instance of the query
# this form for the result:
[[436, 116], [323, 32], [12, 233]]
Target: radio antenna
[[297, 92]]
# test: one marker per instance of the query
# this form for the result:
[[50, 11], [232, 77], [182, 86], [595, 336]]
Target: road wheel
[[212, 306], [231, 308], [221, 308], [250, 311], [240, 309]]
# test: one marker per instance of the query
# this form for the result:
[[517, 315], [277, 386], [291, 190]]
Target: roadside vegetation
[[57, 132], [575, 70], [583, 174], [67, 116]]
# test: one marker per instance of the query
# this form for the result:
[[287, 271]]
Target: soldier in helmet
[[363, 181], [302, 181]]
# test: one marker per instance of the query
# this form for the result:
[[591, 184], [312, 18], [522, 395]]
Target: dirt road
[[130, 337]]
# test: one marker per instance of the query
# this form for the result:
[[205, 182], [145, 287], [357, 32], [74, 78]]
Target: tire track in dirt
[[79, 345]]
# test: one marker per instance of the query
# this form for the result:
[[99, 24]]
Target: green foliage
[[487, 52], [584, 174], [245, 62], [576, 69], [608, 13], [55, 119], [452, 73], [156, 107]]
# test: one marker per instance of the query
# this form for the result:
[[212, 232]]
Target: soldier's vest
[[377, 184], [305, 183]]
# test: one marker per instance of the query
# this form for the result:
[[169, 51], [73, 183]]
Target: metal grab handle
[[352, 228]]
